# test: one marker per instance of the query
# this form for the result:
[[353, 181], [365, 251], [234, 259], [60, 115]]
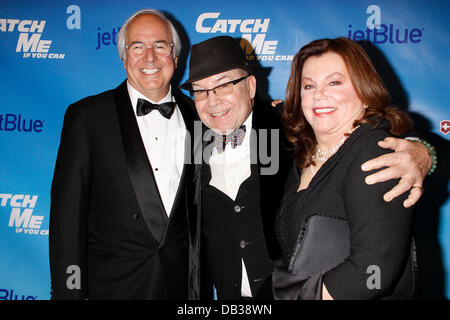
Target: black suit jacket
[[271, 186], [107, 217], [380, 233], [265, 120]]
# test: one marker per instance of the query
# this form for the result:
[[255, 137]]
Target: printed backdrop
[[54, 53]]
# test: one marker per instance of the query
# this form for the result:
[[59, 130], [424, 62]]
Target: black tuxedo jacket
[[268, 119], [265, 120], [110, 237]]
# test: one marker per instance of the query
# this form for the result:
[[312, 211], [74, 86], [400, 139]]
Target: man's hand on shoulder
[[410, 162]]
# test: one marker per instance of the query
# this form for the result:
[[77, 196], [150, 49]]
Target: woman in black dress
[[340, 240]]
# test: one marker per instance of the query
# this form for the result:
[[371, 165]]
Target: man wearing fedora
[[240, 189], [238, 202]]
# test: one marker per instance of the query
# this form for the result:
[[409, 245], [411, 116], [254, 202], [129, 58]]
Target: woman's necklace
[[312, 170], [325, 155]]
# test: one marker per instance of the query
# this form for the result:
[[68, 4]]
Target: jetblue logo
[[18, 122], [21, 217], [106, 38], [9, 294], [390, 34], [381, 33]]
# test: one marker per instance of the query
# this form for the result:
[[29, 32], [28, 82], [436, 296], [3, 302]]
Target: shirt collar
[[135, 95], [248, 130], [248, 123], [245, 144]]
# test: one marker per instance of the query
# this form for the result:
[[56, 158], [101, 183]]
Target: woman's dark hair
[[367, 84]]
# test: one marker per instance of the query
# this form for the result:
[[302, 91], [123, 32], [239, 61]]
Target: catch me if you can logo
[[253, 33], [30, 42], [380, 33], [21, 217]]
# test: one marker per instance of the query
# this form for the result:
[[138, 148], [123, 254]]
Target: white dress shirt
[[164, 143], [228, 170]]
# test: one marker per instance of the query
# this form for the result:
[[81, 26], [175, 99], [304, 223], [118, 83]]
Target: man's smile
[[220, 114], [149, 71]]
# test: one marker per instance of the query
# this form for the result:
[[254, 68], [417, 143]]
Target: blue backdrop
[[56, 52]]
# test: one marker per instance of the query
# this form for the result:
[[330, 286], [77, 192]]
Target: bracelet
[[431, 151]]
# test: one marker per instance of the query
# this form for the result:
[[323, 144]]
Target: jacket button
[[237, 208], [243, 244]]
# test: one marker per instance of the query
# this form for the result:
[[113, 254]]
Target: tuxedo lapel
[[258, 124], [191, 184], [139, 167], [266, 124], [270, 185], [177, 215], [189, 116]]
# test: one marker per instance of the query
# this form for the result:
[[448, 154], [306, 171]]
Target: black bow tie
[[234, 139], [144, 107]]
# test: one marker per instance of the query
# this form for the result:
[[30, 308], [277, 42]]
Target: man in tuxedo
[[120, 201], [242, 183]]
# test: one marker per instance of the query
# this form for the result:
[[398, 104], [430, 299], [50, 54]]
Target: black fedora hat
[[213, 56]]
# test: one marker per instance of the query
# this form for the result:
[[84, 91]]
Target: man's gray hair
[[123, 31]]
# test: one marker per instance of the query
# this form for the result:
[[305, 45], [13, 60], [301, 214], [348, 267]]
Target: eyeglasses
[[160, 48], [221, 90]]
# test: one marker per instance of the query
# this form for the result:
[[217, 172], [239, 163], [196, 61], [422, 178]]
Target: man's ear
[[251, 85], [175, 61]]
